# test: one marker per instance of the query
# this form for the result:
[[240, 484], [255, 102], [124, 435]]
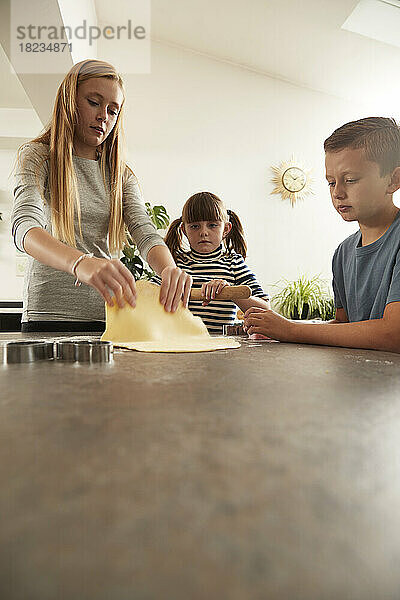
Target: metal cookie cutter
[[236, 329], [94, 351], [26, 352], [65, 350]]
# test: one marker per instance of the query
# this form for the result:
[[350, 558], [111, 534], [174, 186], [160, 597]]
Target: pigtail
[[235, 238], [174, 239]]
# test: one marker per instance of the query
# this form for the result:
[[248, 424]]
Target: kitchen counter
[[267, 472]]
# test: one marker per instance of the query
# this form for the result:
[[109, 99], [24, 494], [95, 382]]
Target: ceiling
[[12, 94], [301, 42]]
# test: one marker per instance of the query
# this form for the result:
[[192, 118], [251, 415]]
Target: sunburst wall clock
[[292, 181]]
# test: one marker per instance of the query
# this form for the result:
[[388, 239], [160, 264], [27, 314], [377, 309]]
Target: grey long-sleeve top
[[49, 294]]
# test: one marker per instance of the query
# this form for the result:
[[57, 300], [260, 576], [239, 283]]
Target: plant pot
[[304, 313]]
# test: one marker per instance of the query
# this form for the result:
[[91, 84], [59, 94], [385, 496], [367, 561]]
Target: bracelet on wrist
[[76, 263]]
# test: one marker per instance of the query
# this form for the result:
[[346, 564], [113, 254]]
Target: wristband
[[76, 263]]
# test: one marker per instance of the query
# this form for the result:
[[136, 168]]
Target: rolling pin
[[229, 292]]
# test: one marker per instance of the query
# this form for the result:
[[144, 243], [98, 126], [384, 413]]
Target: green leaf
[[129, 252], [160, 217], [131, 257], [148, 274], [135, 266]]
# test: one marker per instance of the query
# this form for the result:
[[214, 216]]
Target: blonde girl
[[74, 196], [215, 259]]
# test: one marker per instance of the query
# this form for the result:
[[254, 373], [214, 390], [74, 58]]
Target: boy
[[363, 171]]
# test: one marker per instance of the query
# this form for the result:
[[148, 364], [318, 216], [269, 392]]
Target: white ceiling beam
[[74, 14], [39, 87], [376, 19], [19, 122]]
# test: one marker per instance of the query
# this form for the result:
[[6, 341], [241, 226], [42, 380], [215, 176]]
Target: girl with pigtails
[[215, 259], [74, 197]]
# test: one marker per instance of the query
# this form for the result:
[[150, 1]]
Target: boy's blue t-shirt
[[367, 278]]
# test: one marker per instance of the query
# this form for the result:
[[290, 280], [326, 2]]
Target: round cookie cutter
[[26, 352], [235, 329], [94, 351]]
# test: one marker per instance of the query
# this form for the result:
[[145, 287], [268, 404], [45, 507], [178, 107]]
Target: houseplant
[[131, 257], [305, 298]]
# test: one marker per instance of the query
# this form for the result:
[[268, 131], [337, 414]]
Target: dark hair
[[205, 206], [379, 136]]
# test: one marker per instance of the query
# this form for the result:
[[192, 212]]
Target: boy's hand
[[211, 289], [267, 322]]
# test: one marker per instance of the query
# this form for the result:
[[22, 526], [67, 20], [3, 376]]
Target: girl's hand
[[175, 285], [267, 322], [108, 276], [211, 289]]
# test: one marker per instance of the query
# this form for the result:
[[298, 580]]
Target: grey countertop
[[267, 472]]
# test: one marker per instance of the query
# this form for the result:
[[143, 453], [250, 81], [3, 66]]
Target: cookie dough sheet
[[149, 328]]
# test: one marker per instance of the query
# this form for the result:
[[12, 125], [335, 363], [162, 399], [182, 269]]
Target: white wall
[[10, 284], [199, 124]]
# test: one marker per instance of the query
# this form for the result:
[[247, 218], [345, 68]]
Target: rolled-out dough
[[149, 328]]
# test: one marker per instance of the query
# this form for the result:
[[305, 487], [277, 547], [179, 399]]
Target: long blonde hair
[[59, 136]]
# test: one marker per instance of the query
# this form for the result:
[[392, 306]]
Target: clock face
[[294, 179], [291, 181]]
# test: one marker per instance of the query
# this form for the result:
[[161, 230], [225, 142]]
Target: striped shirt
[[217, 265]]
